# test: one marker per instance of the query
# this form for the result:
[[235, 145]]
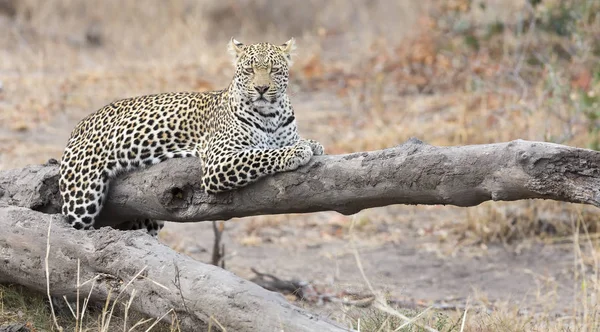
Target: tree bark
[[411, 173]]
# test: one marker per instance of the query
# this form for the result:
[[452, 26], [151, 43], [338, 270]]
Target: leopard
[[240, 134]]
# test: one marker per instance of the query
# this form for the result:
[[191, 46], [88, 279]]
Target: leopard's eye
[[248, 70], [275, 70]]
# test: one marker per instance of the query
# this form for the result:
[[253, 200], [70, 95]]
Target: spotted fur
[[241, 134]]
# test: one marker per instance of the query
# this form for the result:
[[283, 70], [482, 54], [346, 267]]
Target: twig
[[177, 283], [272, 283], [218, 254]]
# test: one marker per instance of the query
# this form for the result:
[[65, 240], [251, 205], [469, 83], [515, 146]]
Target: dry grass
[[44, 313], [376, 73], [21, 306]]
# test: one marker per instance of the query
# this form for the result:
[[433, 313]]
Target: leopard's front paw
[[316, 147], [299, 156]]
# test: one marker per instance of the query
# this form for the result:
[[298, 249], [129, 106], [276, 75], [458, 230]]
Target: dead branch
[[411, 173], [218, 253], [273, 283]]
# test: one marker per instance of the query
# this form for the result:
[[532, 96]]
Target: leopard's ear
[[288, 49], [235, 49]]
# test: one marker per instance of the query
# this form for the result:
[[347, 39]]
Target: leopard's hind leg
[[152, 226]]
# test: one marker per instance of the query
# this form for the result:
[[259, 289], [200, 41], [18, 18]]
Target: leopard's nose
[[262, 89]]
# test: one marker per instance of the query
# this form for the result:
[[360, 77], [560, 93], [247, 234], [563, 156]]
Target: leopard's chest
[[265, 140], [267, 132]]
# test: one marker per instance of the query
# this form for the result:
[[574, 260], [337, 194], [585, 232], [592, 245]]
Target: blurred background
[[367, 75]]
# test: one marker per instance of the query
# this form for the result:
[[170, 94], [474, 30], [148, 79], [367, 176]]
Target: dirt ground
[[59, 63], [410, 268]]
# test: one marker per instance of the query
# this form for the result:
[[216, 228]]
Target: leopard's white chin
[[261, 103]]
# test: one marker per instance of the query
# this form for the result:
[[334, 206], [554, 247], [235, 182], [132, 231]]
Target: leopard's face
[[261, 71]]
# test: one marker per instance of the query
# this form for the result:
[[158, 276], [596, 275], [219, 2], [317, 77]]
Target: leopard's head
[[261, 70]]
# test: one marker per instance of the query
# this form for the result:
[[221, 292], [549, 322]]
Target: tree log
[[168, 280], [411, 173]]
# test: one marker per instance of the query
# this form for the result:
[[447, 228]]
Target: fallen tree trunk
[[412, 173], [196, 292]]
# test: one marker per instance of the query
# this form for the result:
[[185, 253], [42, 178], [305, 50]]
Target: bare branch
[[412, 173]]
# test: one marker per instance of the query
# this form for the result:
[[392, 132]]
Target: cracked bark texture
[[411, 173]]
